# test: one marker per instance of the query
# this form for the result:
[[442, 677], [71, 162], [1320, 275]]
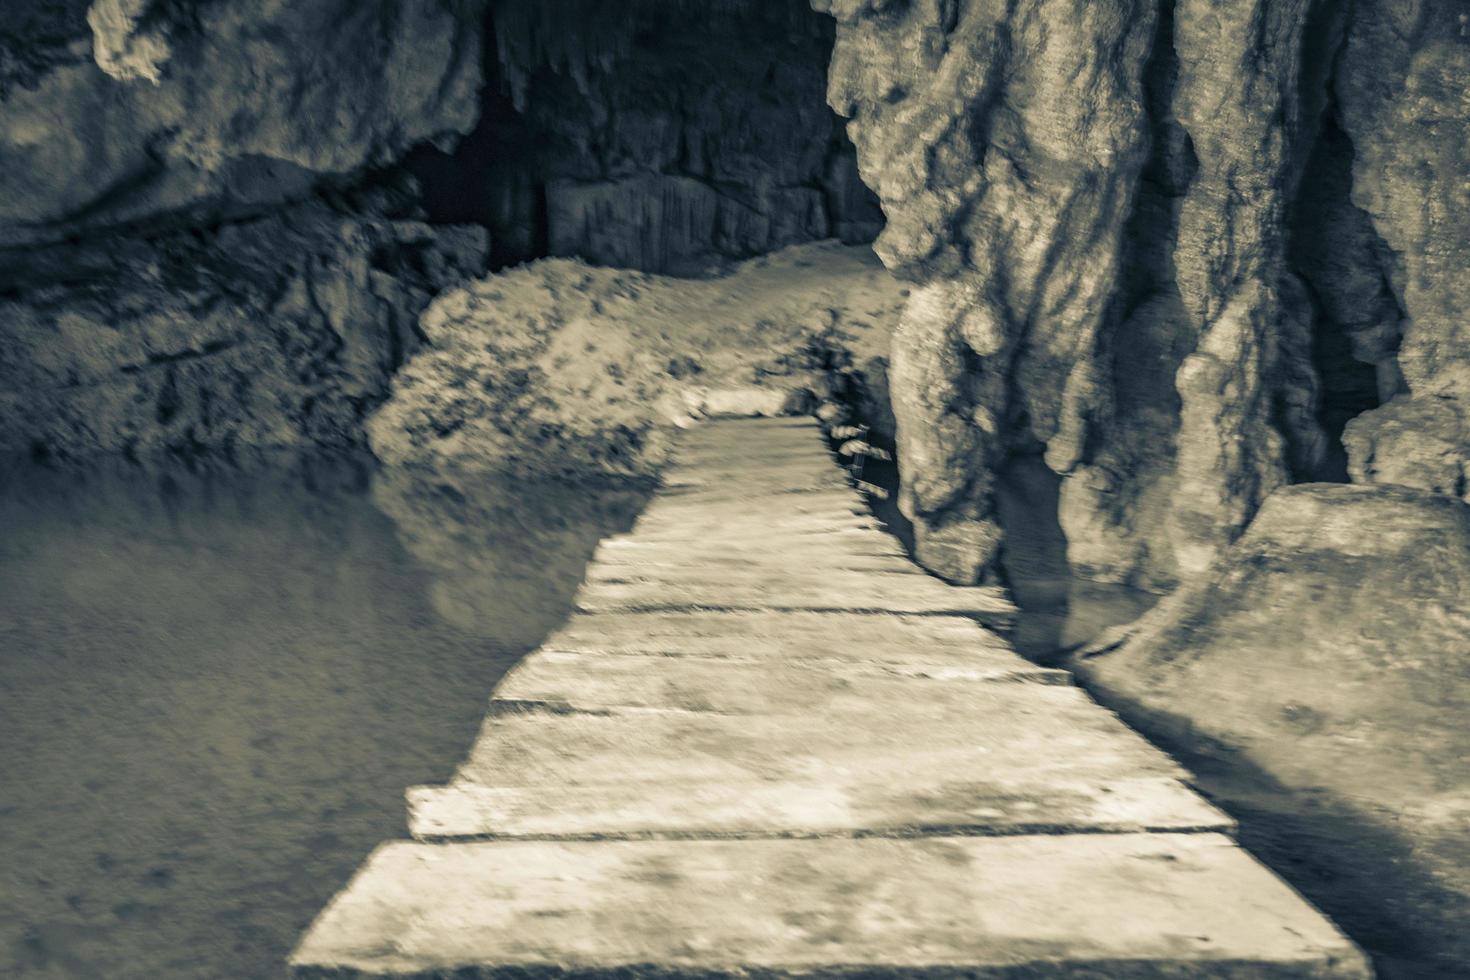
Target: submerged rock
[[560, 367], [495, 543], [1328, 648]]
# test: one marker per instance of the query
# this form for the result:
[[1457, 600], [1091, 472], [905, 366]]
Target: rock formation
[[1199, 257], [1139, 251], [275, 332], [659, 135], [1326, 649], [194, 253], [564, 368], [131, 108], [219, 219]]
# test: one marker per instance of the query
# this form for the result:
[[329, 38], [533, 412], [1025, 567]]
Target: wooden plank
[[802, 472], [697, 524], [755, 423], [590, 681], [837, 804], [764, 448], [754, 491], [856, 534], [747, 533], [992, 733], [821, 589], [764, 635], [826, 502], [806, 551], [673, 560], [1096, 905]]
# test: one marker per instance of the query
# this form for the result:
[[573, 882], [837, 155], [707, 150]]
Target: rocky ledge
[[1325, 651], [562, 367]]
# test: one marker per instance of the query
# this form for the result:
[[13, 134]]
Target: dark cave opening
[[1355, 316], [490, 177], [666, 138]]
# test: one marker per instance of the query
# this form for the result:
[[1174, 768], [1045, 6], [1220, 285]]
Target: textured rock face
[[1145, 247], [1328, 648], [273, 332], [562, 367], [216, 307], [1006, 197], [668, 137], [1402, 89], [131, 108], [166, 288]]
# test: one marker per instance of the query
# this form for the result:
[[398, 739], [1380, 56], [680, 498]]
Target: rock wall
[[206, 242], [128, 109], [660, 135], [1172, 246], [194, 251], [274, 332]]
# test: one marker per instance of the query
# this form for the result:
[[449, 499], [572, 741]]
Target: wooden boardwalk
[[766, 742]]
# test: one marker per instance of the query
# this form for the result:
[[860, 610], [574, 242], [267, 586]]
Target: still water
[[214, 688]]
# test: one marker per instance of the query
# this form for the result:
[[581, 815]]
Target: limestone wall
[[1176, 247]]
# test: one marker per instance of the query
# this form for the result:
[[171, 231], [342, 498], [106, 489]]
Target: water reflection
[[496, 544], [1059, 612], [215, 685]]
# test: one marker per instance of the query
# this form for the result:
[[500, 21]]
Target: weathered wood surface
[[895, 803], [756, 660], [1096, 905]]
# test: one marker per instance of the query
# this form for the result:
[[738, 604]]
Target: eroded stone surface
[[1180, 277], [1328, 648], [156, 108], [275, 332], [1005, 195], [560, 366]]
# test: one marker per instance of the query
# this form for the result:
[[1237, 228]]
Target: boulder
[[1401, 86], [1329, 650], [559, 367]]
